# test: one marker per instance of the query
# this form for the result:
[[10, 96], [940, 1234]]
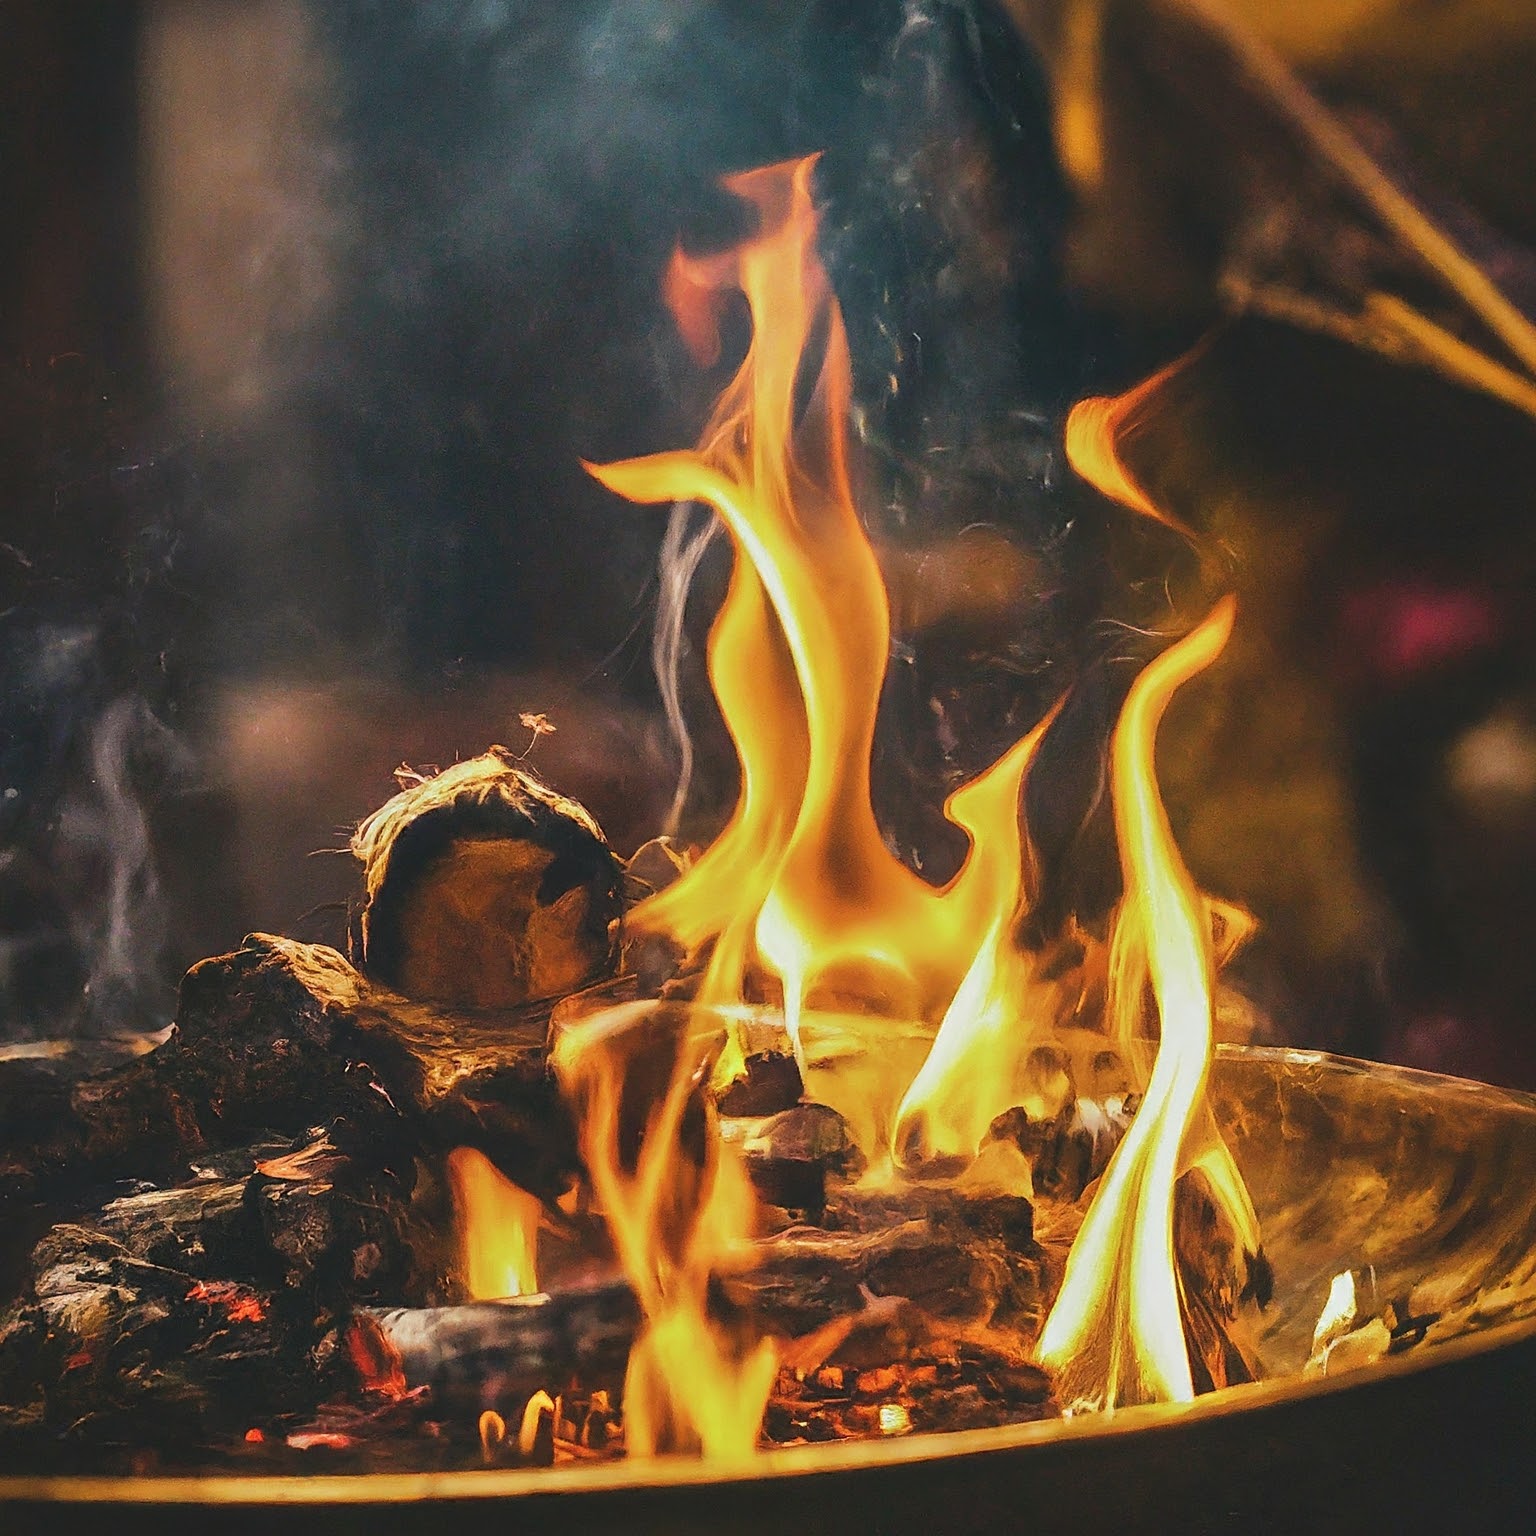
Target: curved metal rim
[[800, 1461]]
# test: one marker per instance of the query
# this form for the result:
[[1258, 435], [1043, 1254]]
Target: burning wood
[[895, 1239], [279, 1036]]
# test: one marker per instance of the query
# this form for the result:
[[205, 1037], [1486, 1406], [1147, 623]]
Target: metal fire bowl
[[1426, 1183]]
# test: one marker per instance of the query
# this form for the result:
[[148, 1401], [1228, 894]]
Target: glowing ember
[[240, 1303], [498, 1227], [376, 1361]]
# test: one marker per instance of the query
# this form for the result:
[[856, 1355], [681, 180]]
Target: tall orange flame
[[679, 1211], [800, 884], [1115, 1334]]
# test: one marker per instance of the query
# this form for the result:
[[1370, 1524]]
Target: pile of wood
[[240, 1246]]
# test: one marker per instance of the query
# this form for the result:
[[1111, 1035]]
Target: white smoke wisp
[[682, 552], [118, 921]]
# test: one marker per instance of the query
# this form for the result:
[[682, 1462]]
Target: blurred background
[[309, 311]]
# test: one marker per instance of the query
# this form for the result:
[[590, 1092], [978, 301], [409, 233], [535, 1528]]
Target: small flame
[[493, 1433], [1116, 1332], [533, 1414], [1095, 432], [679, 1211], [498, 1226], [970, 1073]]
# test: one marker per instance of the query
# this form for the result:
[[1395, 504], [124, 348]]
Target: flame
[[1115, 1334], [498, 1226], [800, 884], [679, 1211], [971, 1069], [493, 1434], [799, 890], [1095, 430]]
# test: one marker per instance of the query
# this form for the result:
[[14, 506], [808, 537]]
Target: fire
[[1116, 1332], [971, 1069], [800, 896], [679, 1209], [800, 885], [1096, 428], [498, 1226]]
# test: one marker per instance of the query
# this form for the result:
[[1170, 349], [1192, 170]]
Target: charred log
[[863, 1295], [1069, 1150], [204, 1305], [790, 1155], [485, 888], [497, 1352], [1216, 1278], [769, 1083], [279, 1036], [961, 1262]]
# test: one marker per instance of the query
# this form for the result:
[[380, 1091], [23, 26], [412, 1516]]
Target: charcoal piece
[[788, 1156], [769, 1084], [795, 1186], [1068, 1151], [810, 1133], [308, 1224], [497, 1354], [112, 1348], [204, 1305], [485, 888]]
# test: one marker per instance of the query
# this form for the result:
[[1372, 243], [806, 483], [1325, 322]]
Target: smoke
[[118, 921], [682, 551], [83, 924], [941, 215]]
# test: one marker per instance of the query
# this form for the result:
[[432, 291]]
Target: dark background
[[309, 312]]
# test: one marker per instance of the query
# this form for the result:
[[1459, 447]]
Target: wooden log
[[279, 1036], [489, 1353], [485, 888], [901, 1267], [205, 1305], [961, 1261]]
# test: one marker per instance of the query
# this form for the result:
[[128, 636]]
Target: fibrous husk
[[485, 888]]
